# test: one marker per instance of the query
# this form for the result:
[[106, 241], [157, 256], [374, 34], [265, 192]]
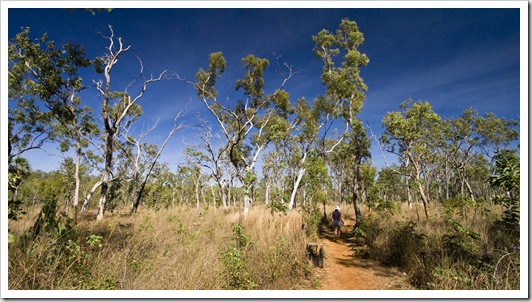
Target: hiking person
[[338, 222]]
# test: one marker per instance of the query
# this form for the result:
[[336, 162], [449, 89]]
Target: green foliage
[[253, 83], [343, 82], [95, 240], [317, 178], [180, 227], [445, 278], [115, 196], [462, 244], [11, 238], [58, 260], [205, 80], [277, 206], [507, 177], [93, 11], [387, 207], [236, 269], [18, 169], [405, 243], [53, 224], [242, 240], [412, 129], [369, 231], [312, 219], [507, 171], [108, 283], [496, 132], [147, 224], [457, 204], [15, 210], [233, 258], [250, 177]]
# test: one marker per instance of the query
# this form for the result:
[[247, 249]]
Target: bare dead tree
[[177, 126], [114, 114]]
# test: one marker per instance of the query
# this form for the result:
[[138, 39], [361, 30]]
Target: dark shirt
[[336, 215]]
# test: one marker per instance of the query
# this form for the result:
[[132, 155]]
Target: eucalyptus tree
[[496, 133], [311, 127], [346, 162], [29, 127], [52, 75], [194, 179], [412, 135], [345, 89], [274, 172], [389, 182], [338, 167], [245, 124], [469, 137], [214, 159], [317, 181], [368, 176], [460, 148], [117, 106]]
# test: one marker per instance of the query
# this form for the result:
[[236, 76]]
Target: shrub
[[311, 220], [369, 231], [233, 257], [404, 245], [236, 270]]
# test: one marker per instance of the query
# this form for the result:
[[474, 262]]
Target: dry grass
[[176, 248], [447, 251], [205, 249]]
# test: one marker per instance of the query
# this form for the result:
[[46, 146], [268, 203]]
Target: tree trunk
[[304, 196], [421, 191], [213, 197], [247, 199], [89, 195], [267, 194], [223, 195], [197, 194], [358, 213], [138, 198], [229, 195], [77, 181], [101, 203], [106, 173], [181, 196], [424, 199], [299, 177], [470, 190]]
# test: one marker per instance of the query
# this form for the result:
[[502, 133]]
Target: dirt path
[[343, 271]]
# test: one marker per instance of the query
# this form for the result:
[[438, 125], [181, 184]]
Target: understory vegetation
[[175, 248], [451, 251]]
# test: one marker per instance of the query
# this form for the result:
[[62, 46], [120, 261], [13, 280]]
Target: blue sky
[[455, 58]]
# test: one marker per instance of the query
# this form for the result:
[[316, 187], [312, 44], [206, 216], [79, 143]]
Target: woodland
[[446, 213]]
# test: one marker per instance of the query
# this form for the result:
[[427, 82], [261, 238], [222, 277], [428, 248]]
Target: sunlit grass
[[175, 248]]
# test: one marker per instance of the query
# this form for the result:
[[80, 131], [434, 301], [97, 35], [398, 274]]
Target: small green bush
[[369, 230], [236, 270], [404, 244]]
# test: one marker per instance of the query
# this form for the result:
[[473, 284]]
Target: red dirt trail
[[344, 271]]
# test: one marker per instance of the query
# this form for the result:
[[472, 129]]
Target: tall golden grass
[[179, 248], [185, 248]]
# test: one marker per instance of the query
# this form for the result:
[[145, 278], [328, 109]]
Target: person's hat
[[337, 208]]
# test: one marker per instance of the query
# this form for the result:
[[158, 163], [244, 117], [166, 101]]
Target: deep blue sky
[[454, 58]]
